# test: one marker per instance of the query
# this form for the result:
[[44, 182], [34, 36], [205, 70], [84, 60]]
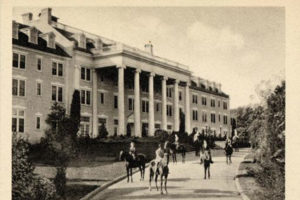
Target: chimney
[[27, 18], [219, 87], [15, 30], [50, 39], [46, 15], [149, 48]]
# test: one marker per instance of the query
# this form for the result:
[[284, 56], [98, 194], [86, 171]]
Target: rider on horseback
[[159, 159], [132, 150]]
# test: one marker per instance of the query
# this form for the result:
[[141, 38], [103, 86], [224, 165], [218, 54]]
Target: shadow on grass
[[75, 192]]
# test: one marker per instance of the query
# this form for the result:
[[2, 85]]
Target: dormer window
[[50, 39], [33, 35], [98, 44], [81, 41]]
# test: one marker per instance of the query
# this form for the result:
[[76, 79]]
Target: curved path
[[185, 182]]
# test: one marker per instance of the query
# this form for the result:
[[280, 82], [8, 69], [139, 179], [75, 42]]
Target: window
[[85, 73], [39, 64], [144, 88], [169, 110], [169, 92], [157, 126], [19, 61], [180, 95], [18, 120], [204, 117], [213, 118], [38, 122], [195, 115], [169, 127], [225, 119], [57, 93], [18, 87], [157, 107], [212, 103], [130, 104], [219, 104], [219, 118], [84, 126], [57, 69], [116, 122], [39, 88], [130, 85], [204, 101], [225, 105], [115, 130], [145, 106], [115, 101], [195, 99], [85, 97], [102, 98]]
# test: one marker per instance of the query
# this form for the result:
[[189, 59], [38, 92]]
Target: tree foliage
[[265, 126], [60, 142], [75, 114], [25, 184]]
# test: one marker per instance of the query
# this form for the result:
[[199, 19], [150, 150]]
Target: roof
[[219, 93], [41, 45]]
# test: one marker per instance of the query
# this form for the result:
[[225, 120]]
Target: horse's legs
[[161, 183], [156, 176], [205, 172], [131, 175], [143, 171], [166, 179], [140, 167], [127, 169], [150, 178], [230, 159], [208, 171]]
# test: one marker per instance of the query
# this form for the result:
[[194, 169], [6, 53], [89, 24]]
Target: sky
[[243, 48]]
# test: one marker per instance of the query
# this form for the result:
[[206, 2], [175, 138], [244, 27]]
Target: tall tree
[[75, 114], [182, 122], [60, 142]]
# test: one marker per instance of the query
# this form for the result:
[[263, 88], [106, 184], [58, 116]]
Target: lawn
[[75, 192]]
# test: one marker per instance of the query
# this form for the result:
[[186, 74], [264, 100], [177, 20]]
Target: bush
[[162, 135], [60, 181], [26, 185], [102, 131]]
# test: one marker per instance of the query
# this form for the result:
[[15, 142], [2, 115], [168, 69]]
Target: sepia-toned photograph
[[144, 103]]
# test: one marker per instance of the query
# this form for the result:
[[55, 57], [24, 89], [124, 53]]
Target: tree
[[75, 114], [25, 184], [182, 122], [59, 136]]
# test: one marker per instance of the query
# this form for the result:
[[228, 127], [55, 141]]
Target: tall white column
[[151, 104], [164, 103], [95, 101], [187, 109], [137, 114], [121, 121], [176, 108]]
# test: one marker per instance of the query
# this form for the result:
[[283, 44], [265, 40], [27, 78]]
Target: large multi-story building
[[120, 86]]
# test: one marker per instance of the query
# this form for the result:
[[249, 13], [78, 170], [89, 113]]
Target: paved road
[[186, 181]]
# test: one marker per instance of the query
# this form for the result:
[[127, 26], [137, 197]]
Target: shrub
[[25, 185], [60, 181], [162, 135], [102, 131]]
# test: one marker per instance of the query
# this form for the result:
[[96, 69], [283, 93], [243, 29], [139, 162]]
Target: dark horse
[[177, 149], [139, 161], [161, 171]]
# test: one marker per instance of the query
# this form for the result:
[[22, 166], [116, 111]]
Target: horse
[[162, 171], [177, 149], [139, 161], [205, 159]]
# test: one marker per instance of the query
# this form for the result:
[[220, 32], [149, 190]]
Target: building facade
[[124, 88]]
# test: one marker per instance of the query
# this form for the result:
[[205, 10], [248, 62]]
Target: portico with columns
[[157, 75]]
